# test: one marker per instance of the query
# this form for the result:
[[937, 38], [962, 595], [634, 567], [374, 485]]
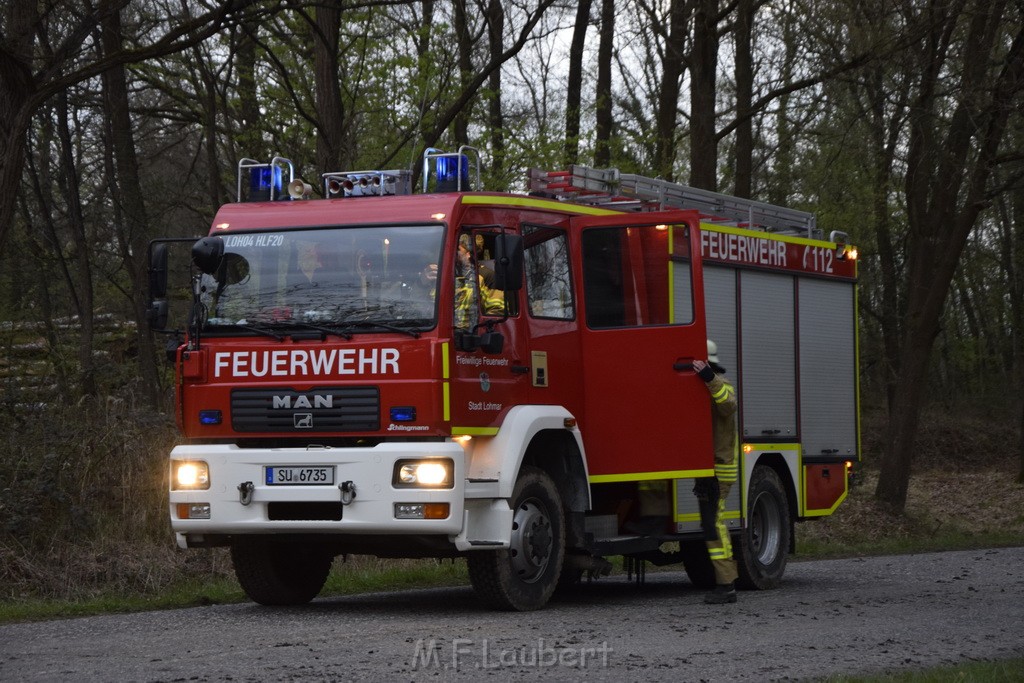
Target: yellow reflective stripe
[[723, 394], [548, 204], [474, 431], [641, 476], [726, 473]]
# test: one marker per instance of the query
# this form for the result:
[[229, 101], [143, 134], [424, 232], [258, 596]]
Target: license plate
[[299, 475]]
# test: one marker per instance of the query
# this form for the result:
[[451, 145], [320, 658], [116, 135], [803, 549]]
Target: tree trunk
[[330, 111], [574, 94], [496, 41], [744, 149], [703, 72], [128, 194], [946, 188], [17, 44], [882, 154], [249, 134], [668, 96], [465, 43], [1012, 262], [82, 245], [605, 49]]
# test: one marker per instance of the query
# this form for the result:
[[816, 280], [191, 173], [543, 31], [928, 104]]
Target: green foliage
[[1005, 671]]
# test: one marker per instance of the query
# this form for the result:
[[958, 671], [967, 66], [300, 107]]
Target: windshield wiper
[[313, 326], [363, 324], [259, 329]]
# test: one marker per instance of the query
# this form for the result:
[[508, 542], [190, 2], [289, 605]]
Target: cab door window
[[636, 276], [548, 280], [475, 293]]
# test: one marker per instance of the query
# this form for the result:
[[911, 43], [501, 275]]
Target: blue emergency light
[[210, 417], [403, 414], [449, 169], [266, 183]]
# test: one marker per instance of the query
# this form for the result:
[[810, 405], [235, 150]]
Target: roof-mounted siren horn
[[367, 183], [451, 170], [266, 181], [298, 189]]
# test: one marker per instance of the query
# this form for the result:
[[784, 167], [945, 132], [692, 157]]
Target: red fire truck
[[503, 377]]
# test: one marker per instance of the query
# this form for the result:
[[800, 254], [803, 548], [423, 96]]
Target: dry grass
[[83, 504], [963, 487]]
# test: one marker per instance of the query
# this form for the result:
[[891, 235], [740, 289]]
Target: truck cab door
[[646, 413], [487, 381]]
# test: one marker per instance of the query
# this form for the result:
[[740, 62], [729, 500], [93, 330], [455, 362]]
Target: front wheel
[[523, 577], [762, 547], [278, 572]]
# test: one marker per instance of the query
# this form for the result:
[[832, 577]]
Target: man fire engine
[[336, 400]]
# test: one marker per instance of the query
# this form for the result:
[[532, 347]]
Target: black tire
[[697, 564], [523, 577], [274, 572], [762, 547]]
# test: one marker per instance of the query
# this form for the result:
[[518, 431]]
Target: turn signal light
[[421, 510], [193, 510]]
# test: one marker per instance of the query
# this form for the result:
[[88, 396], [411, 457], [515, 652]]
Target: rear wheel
[[278, 572], [524, 576], [762, 547]]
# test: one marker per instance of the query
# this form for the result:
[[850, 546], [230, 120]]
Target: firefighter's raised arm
[[723, 393]]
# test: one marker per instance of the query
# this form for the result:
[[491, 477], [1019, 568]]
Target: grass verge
[[1004, 671]]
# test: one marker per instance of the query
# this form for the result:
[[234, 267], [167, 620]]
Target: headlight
[[432, 474], [190, 475]]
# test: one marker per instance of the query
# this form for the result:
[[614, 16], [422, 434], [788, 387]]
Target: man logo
[[287, 402], [303, 420]]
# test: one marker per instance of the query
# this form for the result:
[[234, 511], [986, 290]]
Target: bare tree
[[954, 137], [744, 148], [29, 77], [496, 118], [605, 121], [127, 190], [330, 110], [574, 93], [703, 73]]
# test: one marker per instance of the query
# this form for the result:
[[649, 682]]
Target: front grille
[[304, 512], [323, 409]]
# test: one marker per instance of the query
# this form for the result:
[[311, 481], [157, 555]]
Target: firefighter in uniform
[[468, 287], [713, 491]]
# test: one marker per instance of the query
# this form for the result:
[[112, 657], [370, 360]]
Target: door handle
[[520, 369], [683, 365]]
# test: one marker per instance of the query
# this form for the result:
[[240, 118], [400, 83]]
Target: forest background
[[898, 122]]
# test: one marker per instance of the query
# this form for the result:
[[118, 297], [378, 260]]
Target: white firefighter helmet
[[713, 353]]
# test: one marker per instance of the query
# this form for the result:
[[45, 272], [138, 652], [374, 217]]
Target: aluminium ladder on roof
[[631, 192]]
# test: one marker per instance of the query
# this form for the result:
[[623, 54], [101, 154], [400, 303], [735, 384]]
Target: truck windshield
[[350, 278]]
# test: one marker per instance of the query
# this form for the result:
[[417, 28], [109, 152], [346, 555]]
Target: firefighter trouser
[[720, 548]]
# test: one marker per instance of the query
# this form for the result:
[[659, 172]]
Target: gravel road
[[830, 617]]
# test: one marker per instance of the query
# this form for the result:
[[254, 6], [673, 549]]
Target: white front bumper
[[370, 470]]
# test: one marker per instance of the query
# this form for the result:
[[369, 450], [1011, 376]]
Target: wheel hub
[[532, 541], [765, 534]]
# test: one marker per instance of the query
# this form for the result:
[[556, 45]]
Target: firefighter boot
[[723, 594]]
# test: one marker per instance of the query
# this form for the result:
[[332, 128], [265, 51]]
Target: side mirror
[[508, 262], [489, 342], [207, 254], [157, 271], [492, 342]]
